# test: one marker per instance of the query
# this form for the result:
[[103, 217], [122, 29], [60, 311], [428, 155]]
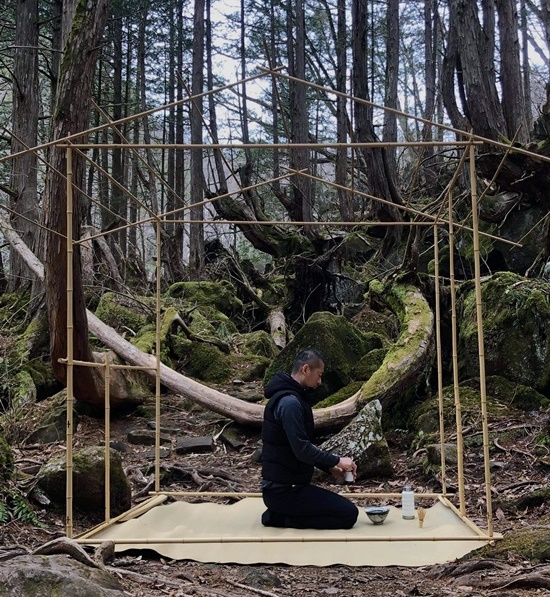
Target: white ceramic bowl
[[377, 514]]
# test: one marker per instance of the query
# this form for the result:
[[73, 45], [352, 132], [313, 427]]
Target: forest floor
[[224, 468]]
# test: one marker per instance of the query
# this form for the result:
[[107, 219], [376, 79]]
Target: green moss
[[368, 364], [220, 295], [341, 395], [208, 363], [532, 544], [416, 320], [248, 367], [337, 339], [516, 328], [7, 461], [121, 313], [425, 418], [258, 343], [511, 392]]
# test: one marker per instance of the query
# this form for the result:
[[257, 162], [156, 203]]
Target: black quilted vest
[[278, 461]]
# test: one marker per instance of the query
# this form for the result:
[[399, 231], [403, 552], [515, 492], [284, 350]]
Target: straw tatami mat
[[210, 532]]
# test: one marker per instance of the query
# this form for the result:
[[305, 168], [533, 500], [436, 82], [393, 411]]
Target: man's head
[[308, 368]]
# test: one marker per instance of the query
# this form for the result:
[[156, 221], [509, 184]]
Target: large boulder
[[336, 338], [88, 481], [516, 329], [59, 575], [363, 440]]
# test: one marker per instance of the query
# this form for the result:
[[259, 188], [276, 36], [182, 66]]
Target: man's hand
[[344, 465]]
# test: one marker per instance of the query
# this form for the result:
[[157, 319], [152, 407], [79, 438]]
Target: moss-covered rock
[[88, 481], [258, 343], [208, 363], [341, 395], [123, 313], [368, 364], [220, 295], [516, 327], [247, 367], [511, 392], [341, 344], [425, 418], [532, 544], [363, 440]]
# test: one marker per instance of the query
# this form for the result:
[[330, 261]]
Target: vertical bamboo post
[[458, 408], [480, 343], [158, 348], [70, 348], [439, 360], [107, 439]]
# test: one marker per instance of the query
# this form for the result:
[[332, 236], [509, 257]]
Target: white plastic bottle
[[407, 503]]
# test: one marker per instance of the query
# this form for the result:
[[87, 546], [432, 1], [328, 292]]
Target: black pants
[[308, 507]]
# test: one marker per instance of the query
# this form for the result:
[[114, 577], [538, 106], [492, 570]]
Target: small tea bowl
[[377, 514]]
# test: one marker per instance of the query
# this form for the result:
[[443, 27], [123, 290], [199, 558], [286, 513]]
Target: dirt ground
[[516, 471]]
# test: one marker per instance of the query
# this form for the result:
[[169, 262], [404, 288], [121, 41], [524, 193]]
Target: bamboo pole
[[283, 145], [243, 494], [359, 100], [319, 538], [107, 439], [70, 348], [481, 345], [404, 208], [98, 365], [439, 361], [164, 107], [458, 409], [157, 355]]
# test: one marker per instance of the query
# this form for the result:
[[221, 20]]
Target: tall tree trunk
[[513, 100], [379, 179], [345, 199], [196, 233], [526, 66], [25, 108], [118, 200], [301, 209], [70, 116], [467, 54], [392, 74], [430, 45]]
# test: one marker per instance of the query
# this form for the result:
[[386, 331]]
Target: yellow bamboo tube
[[107, 439], [319, 538], [458, 409], [481, 344], [70, 348], [158, 349], [237, 494], [439, 360]]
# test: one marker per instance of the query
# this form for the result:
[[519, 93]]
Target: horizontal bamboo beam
[[237, 494], [320, 538], [237, 146]]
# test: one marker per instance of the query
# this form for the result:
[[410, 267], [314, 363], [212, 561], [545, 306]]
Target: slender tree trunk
[[379, 179], [392, 74], [526, 66], [345, 200], [196, 234], [70, 116], [25, 107], [301, 209], [513, 100]]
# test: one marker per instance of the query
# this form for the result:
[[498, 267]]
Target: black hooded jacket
[[288, 454]]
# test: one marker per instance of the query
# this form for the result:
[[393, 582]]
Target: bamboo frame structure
[[159, 219]]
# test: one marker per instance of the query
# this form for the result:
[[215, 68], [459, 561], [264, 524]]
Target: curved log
[[403, 362]]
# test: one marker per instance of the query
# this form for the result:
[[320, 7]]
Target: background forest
[[249, 177]]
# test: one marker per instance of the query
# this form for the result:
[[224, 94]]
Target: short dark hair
[[308, 356]]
